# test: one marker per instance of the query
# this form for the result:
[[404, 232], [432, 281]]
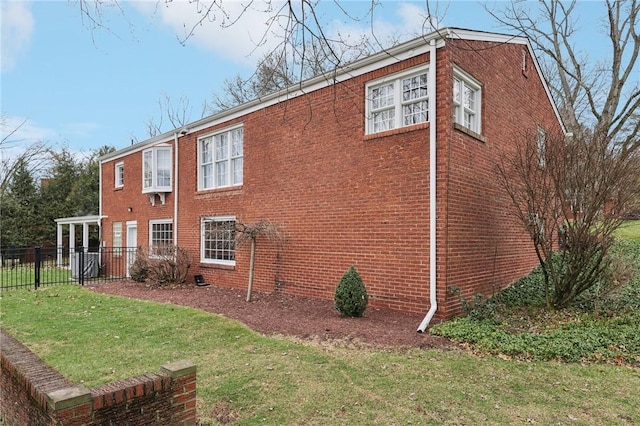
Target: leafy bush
[[351, 296], [516, 323]]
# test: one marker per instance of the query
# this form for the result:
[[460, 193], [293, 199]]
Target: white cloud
[[16, 29], [245, 41], [235, 32], [25, 131]]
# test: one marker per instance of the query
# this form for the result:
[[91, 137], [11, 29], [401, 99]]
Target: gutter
[[432, 190]]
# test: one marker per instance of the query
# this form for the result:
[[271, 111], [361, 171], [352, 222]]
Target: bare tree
[[178, 113], [575, 189], [603, 96], [14, 150], [568, 193], [251, 232]]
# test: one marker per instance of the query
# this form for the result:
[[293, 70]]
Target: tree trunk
[[253, 256]]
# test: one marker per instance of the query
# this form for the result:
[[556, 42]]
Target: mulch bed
[[275, 313]]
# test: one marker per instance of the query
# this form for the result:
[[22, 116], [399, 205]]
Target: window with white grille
[[399, 100]]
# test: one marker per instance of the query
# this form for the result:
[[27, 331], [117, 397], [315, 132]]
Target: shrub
[[169, 268], [139, 269], [351, 296]]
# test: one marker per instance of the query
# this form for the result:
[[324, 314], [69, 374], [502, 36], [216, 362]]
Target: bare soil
[[276, 313]]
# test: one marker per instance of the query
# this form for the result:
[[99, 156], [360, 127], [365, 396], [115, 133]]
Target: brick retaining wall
[[32, 393]]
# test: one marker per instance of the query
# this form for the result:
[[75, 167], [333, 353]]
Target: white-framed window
[[542, 147], [467, 100], [161, 237], [156, 169], [119, 174], [220, 159], [398, 100], [218, 240], [117, 238]]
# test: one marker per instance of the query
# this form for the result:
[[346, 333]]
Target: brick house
[[344, 164]]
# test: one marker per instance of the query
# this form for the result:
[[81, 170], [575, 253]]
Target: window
[[398, 101], [119, 179], [220, 159], [542, 147], [466, 102], [117, 238], [218, 240], [156, 169], [161, 237]]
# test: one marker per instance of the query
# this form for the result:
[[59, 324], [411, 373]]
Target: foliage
[[351, 296], [257, 379], [578, 186], [71, 188], [169, 267], [516, 323], [19, 216]]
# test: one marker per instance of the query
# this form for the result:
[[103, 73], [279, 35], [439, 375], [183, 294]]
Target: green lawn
[[630, 230], [94, 338], [23, 275]]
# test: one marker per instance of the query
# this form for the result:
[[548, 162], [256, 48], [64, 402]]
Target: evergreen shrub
[[351, 296]]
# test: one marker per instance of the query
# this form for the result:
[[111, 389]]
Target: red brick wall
[[345, 198], [486, 248], [34, 394]]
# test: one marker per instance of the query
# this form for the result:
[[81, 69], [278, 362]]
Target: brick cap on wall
[[178, 369], [68, 397]]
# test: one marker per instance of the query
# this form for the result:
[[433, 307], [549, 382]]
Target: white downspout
[[432, 188], [175, 191]]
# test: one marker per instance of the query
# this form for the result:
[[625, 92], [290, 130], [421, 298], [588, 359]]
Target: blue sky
[[84, 89]]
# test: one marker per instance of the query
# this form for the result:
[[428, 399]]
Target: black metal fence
[[32, 267]]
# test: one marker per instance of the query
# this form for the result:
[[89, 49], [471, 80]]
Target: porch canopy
[[71, 222]]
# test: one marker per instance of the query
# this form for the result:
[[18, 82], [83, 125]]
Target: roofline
[[376, 61]]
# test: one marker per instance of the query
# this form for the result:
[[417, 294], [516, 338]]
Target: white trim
[[476, 86], [214, 219], [117, 183], [212, 135], [155, 188], [398, 103], [379, 60], [159, 222]]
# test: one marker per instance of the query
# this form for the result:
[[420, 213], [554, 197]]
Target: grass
[[249, 378], [515, 323], [630, 230], [23, 275], [511, 375]]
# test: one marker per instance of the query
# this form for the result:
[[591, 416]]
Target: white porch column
[[59, 245], [72, 239], [85, 236]]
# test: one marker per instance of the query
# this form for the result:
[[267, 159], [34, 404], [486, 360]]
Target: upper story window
[[156, 169], [119, 173], [220, 159], [466, 101], [397, 101]]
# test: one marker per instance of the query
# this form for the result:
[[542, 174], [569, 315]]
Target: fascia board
[[376, 61]]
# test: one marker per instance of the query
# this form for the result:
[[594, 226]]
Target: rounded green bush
[[351, 296]]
